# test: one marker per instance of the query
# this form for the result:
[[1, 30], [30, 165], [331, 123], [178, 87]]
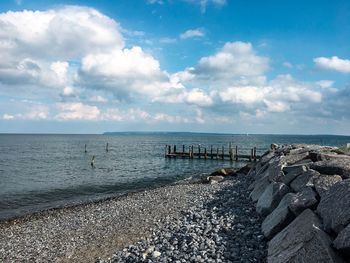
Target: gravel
[[223, 227], [177, 223]]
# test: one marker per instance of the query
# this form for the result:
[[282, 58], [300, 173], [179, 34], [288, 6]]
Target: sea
[[46, 171]]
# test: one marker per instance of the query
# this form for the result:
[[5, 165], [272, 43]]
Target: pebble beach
[[187, 222]]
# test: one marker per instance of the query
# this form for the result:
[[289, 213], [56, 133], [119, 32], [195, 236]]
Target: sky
[[220, 66]]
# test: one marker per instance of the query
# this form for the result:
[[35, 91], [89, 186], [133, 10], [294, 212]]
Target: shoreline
[[85, 233], [115, 196]]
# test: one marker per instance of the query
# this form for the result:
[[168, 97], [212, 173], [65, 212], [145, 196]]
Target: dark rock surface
[[324, 182], [271, 197], [302, 241], [279, 218], [303, 180], [337, 165], [334, 207]]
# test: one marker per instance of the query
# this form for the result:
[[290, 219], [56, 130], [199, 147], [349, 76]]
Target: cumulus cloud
[[193, 33], [77, 111], [333, 63], [235, 62]]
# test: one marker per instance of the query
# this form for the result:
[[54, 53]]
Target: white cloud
[[333, 63], [193, 33], [68, 91], [235, 59], [167, 40], [77, 111], [7, 117], [287, 64], [325, 83]]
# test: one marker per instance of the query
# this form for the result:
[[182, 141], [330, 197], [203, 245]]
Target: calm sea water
[[45, 171]]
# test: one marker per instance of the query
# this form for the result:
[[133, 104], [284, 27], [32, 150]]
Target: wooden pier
[[213, 153]]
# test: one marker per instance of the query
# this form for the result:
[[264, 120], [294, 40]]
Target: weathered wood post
[[251, 155], [85, 148], [174, 149], [223, 152], [236, 153], [230, 151], [205, 153], [211, 151], [199, 151], [191, 151], [107, 147], [183, 149], [169, 149], [254, 154], [217, 153]]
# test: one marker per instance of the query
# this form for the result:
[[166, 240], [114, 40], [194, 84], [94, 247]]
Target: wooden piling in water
[[199, 151], [236, 154], [254, 154], [85, 148], [205, 153], [211, 151], [107, 147]]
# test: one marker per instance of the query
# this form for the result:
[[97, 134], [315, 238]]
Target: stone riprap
[[311, 221]]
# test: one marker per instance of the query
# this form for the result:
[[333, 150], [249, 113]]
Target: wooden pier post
[[211, 151], [191, 151], [205, 153], [217, 153], [169, 149], [183, 149], [254, 154], [174, 149], [85, 148], [107, 147], [199, 151], [230, 151], [236, 154], [251, 155]]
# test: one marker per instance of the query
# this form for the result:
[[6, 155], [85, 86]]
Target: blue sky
[[175, 65]]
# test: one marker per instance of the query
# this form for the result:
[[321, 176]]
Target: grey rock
[[303, 200], [273, 146], [214, 179], [342, 242], [279, 218], [304, 180], [338, 165], [267, 157], [324, 182], [334, 207], [271, 197], [291, 172], [293, 159], [302, 241], [259, 188]]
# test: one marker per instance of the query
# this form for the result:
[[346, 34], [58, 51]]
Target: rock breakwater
[[303, 191]]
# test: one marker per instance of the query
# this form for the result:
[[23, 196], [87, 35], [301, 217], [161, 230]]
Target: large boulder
[[304, 180], [259, 188], [337, 165], [334, 207], [305, 199], [302, 241], [324, 182], [342, 242], [294, 158], [291, 172], [279, 218], [271, 197]]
